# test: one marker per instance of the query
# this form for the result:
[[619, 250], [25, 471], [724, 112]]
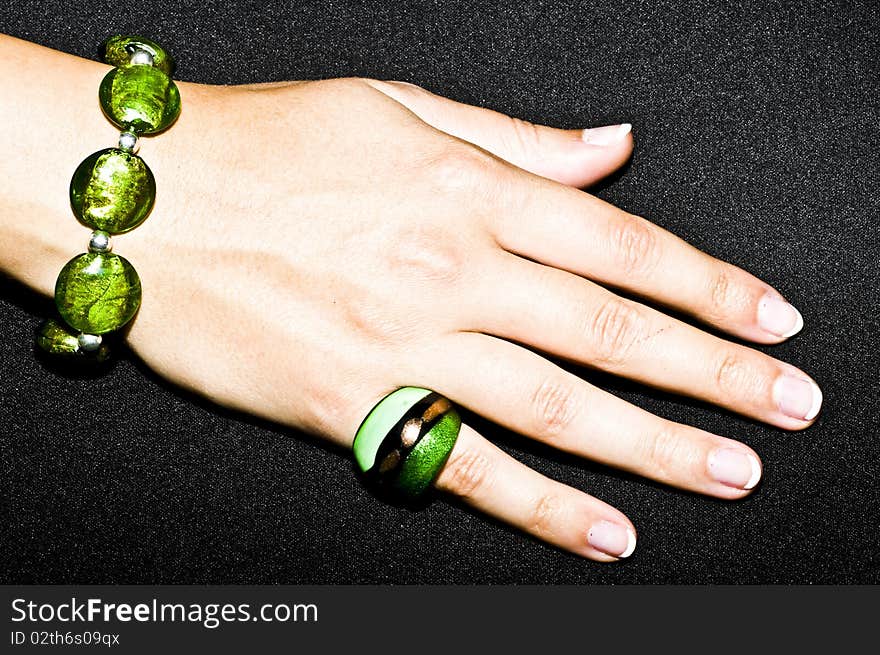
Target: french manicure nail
[[797, 397], [612, 539], [607, 135], [734, 467], [778, 317]]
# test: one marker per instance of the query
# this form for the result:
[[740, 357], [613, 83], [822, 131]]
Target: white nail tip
[[630, 544], [798, 325], [817, 403], [756, 473], [608, 135]]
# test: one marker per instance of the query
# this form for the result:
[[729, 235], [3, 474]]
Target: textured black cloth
[[756, 140]]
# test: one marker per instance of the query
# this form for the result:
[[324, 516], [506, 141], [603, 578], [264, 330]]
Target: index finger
[[574, 231]]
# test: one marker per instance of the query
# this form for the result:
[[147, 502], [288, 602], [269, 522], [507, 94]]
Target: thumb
[[574, 157]]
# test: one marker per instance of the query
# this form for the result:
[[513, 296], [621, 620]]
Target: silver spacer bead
[[141, 57], [89, 342], [100, 242], [129, 142]]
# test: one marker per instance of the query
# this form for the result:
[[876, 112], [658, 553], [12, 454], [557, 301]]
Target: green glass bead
[[142, 99], [56, 338], [112, 190], [119, 49], [97, 293]]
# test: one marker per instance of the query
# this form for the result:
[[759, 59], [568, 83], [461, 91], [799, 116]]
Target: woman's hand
[[315, 246]]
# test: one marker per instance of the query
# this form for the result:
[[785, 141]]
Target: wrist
[[49, 121]]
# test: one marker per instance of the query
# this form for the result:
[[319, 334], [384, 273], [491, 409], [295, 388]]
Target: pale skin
[[316, 245]]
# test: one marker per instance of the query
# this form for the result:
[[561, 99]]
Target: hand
[[315, 246]]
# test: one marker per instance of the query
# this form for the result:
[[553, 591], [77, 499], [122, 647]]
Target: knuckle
[[545, 514], [556, 405], [343, 86], [396, 88], [732, 375], [370, 319], [613, 329], [462, 168], [428, 253], [634, 241], [726, 296], [719, 292], [666, 453], [324, 412], [406, 87], [522, 138], [739, 377], [467, 473]]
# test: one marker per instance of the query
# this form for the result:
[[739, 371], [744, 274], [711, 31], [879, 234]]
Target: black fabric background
[[756, 139]]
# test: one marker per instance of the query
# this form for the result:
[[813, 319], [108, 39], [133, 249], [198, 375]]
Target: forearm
[[50, 120]]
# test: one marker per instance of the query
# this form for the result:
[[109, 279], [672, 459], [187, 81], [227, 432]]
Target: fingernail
[[734, 467], [797, 397], [606, 136], [612, 539], [779, 317]]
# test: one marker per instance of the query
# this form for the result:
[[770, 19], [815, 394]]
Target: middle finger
[[565, 315]]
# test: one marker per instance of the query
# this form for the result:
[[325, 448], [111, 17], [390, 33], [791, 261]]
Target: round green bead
[[112, 190], [56, 338], [97, 293], [119, 49], [142, 99]]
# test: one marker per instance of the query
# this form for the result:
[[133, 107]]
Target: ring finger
[[521, 390]]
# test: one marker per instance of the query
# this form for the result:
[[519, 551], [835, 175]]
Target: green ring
[[420, 465]]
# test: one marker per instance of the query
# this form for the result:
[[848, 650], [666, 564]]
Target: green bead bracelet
[[405, 440], [112, 192]]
